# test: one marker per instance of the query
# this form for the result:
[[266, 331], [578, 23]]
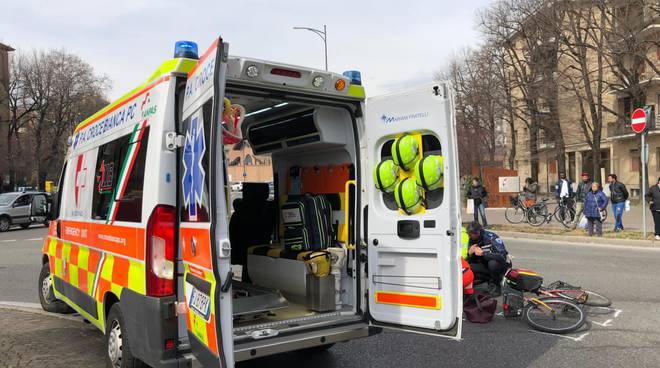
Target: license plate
[[200, 303]]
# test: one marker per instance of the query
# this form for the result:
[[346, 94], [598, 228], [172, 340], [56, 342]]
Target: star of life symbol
[[79, 179], [193, 172]]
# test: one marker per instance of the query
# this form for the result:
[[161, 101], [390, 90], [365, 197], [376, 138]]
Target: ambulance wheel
[[47, 296], [118, 348]]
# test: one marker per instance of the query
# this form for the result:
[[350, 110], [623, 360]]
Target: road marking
[[34, 239], [8, 241], [604, 324], [20, 304], [618, 311], [577, 339]]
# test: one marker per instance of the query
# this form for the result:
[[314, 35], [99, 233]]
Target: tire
[[25, 226], [593, 299], [47, 296], [117, 347], [515, 215], [537, 214], [563, 317], [565, 216], [5, 224]]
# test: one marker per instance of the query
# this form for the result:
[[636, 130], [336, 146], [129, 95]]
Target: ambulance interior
[[313, 152]]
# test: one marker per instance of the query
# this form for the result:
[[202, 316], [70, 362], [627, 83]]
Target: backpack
[[307, 223]]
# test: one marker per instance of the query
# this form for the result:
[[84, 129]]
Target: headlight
[[252, 71], [318, 81]]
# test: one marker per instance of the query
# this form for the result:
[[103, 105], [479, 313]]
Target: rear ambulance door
[[414, 268], [203, 229]]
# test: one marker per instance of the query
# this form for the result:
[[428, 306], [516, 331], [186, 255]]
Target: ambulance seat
[[252, 222]]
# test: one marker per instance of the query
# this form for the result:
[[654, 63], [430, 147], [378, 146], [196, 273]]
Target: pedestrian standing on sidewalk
[[594, 202], [530, 190], [582, 190], [564, 188], [653, 196], [477, 193], [618, 196]]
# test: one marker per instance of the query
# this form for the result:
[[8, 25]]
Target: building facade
[[619, 146]]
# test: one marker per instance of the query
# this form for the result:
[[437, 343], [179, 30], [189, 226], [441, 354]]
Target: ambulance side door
[[414, 268], [203, 229]]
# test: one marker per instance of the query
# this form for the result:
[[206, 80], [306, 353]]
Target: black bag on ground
[[513, 302], [479, 308], [523, 279], [307, 223]]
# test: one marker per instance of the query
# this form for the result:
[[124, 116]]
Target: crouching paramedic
[[487, 257]]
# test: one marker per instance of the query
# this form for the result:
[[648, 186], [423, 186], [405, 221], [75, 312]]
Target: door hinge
[[173, 140]]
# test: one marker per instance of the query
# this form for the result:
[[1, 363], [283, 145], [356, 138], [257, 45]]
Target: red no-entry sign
[[638, 121]]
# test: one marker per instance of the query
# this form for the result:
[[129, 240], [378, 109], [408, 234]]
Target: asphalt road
[[628, 336]]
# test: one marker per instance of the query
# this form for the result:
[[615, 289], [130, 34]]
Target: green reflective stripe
[[356, 91]]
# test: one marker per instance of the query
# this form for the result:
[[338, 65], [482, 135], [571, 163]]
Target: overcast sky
[[394, 44]]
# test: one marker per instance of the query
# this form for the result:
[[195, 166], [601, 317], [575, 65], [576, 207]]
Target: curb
[[581, 239], [36, 309]]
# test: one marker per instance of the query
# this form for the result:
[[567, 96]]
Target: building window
[[235, 162], [634, 160], [248, 160], [120, 178]]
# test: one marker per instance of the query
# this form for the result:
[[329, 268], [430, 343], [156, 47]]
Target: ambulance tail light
[[160, 251], [286, 72]]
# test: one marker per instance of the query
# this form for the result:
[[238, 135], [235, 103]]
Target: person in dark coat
[[580, 194], [618, 196], [477, 193], [530, 191], [594, 202], [653, 196]]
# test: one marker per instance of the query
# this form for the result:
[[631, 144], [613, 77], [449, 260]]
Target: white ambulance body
[[401, 271]]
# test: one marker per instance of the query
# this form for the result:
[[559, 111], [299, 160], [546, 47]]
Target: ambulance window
[[113, 168]]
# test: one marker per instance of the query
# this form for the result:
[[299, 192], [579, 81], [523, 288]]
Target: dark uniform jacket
[[492, 246]]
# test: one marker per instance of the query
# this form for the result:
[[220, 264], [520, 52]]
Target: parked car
[[15, 209]]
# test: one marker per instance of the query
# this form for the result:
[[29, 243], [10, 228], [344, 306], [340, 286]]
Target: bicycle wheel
[[565, 216], [537, 214], [586, 297], [515, 215], [554, 315]]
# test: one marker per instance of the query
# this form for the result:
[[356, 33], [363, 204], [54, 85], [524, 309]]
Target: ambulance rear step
[[272, 329]]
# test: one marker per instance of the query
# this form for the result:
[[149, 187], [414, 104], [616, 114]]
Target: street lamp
[[324, 36]]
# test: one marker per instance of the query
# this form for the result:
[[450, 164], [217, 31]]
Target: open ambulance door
[[203, 215], [414, 268]]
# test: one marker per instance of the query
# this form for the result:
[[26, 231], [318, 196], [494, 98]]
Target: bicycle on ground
[[544, 312]]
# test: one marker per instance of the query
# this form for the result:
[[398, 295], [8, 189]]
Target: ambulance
[[146, 245]]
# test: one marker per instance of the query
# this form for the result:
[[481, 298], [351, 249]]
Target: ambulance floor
[[295, 312]]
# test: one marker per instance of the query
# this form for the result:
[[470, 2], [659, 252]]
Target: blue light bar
[[186, 49], [356, 76]]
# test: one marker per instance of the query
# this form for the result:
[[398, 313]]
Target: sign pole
[[643, 157]]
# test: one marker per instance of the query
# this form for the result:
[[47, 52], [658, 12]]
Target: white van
[[144, 236]]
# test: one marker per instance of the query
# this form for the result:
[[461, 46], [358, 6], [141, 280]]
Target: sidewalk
[[632, 220], [34, 339]]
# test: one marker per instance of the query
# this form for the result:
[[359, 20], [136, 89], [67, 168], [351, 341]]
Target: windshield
[[7, 198]]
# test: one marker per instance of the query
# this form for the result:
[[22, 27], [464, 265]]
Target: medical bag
[[307, 223], [524, 280]]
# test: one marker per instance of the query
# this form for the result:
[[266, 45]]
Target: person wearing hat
[[582, 189], [487, 257], [653, 196], [477, 193]]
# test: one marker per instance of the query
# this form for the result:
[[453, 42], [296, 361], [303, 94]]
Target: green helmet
[[409, 196], [405, 151], [429, 173], [386, 176]]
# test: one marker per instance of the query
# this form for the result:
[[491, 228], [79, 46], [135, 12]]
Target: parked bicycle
[[517, 213], [564, 213], [553, 314]]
